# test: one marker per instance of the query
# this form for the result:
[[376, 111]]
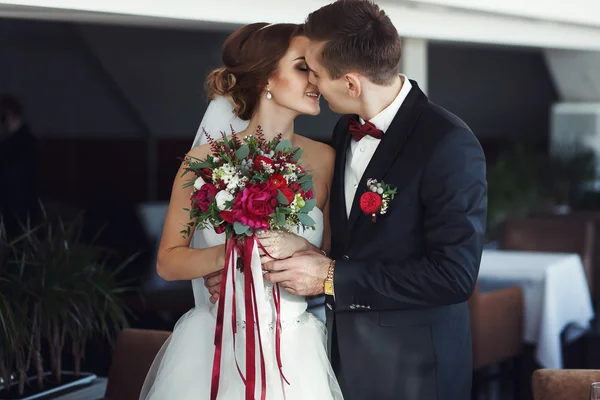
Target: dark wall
[[502, 93]]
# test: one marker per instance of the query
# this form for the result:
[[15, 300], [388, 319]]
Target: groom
[[397, 285]]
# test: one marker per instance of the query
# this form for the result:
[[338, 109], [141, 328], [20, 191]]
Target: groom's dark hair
[[357, 36]]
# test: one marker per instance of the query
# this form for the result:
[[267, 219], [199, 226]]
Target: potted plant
[[514, 186], [564, 178], [60, 289]]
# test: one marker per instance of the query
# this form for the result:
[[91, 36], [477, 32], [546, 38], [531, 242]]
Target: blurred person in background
[[18, 166]]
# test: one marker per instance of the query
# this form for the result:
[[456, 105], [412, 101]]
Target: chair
[[585, 216], [563, 384], [497, 334], [553, 234], [132, 359]]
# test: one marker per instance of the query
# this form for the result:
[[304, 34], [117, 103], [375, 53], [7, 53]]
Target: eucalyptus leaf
[[242, 152], [306, 186], [283, 145], [306, 219], [304, 178], [298, 155], [240, 229], [281, 198], [309, 205], [280, 219]]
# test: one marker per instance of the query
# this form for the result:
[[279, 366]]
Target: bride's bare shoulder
[[316, 154], [200, 151]]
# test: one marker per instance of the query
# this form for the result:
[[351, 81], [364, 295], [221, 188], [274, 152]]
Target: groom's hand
[[302, 275], [213, 284]]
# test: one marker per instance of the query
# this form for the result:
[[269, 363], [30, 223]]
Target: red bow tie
[[359, 130]]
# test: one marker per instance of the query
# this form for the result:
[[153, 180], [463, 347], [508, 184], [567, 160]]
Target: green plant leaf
[[283, 145], [281, 198], [309, 205], [304, 178], [242, 152], [281, 219], [305, 219], [306, 186], [298, 155], [240, 229]]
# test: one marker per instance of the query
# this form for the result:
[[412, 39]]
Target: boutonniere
[[377, 199]]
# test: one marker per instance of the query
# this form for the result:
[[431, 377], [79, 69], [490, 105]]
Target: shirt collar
[[384, 119]]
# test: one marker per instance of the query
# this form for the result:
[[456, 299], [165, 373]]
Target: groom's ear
[[353, 84]]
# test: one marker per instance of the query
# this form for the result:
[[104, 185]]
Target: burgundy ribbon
[[276, 300], [214, 388], [251, 311]]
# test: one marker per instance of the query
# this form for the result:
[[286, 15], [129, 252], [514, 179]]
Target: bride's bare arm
[[176, 260]]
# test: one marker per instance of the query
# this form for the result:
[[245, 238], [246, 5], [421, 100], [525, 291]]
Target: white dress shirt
[[360, 153]]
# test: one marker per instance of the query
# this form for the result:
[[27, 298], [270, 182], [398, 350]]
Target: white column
[[414, 61]]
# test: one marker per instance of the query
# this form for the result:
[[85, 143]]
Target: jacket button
[[345, 257]]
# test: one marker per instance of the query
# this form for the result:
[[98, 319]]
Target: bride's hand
[[280, 245]]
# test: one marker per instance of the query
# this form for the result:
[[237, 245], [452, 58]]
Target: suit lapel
[[390, 146], [338, 203]]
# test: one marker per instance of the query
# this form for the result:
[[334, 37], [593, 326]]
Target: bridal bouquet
[[243, 186], [249, 184]]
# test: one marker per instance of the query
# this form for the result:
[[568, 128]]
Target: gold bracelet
[[328, 283]]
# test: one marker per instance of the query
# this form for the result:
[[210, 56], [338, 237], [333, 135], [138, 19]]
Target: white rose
[[198, 184], [221, 198]]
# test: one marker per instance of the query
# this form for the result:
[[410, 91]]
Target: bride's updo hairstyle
[[250, 56]]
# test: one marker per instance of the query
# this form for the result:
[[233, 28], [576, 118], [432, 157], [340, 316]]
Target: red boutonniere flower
[[377, 199]]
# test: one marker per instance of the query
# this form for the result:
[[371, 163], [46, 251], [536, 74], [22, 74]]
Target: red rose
[[253, 206], [205, 196], [278, 181], [310, 195], [259, 160], [370, 202], [220, 229], [227, 216], [296, 188], [289, 194]]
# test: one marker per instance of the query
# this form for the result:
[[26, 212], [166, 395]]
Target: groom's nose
[[312, 78]]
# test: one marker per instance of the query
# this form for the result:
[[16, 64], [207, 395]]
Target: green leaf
[[200, 165], [298, 155], [282, 145], [305, 219], [240, 229], [242, 152], [304, 178], [281, 198], [306, 186], [309, 205], [280, 219]]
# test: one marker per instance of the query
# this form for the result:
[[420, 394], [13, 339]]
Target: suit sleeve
[[454, 194]]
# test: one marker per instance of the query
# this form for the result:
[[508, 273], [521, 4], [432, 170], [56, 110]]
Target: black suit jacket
[[399, 323]]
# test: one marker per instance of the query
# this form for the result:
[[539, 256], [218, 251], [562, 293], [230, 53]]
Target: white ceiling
[[442, 21]]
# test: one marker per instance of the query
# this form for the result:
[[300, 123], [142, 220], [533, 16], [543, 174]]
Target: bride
[[265, 80]]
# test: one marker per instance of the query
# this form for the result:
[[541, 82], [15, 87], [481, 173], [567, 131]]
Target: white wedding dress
[[183, 368]]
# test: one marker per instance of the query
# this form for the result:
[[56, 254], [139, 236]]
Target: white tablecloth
[[556, 296]]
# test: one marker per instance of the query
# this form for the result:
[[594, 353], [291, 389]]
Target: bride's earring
[[269, 95]]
